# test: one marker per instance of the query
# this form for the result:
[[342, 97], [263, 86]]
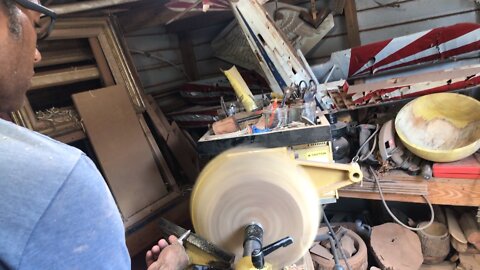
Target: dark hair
[[13, 21]]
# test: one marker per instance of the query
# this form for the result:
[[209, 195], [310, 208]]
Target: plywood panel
[[147, 31], [204, 52], [163, 75], [328, 45], [164, 88], [405, 29], [412, 11], [211, 67], [206, 35], [141, 61], [146, 43], [339, 27], [371, 4], [121, 147]]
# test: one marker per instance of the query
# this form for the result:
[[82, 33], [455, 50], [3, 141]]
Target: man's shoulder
[[33, 168], [18, 142]]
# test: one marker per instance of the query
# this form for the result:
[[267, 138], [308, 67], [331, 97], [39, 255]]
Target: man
[[56, 211]]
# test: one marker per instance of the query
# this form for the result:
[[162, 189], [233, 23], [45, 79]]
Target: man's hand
[[166, 256]]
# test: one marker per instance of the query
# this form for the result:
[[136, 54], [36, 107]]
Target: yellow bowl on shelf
[[440, 127]]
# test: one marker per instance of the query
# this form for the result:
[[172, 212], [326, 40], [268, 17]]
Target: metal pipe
[[88, 5]]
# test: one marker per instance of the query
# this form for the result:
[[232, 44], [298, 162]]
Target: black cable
[[336, 240]]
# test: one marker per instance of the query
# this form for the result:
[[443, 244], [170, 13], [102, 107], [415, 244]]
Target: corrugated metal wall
[[161, 65], [377, 20]]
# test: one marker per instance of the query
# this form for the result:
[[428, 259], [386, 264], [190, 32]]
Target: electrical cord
[[357, 156], [375, 177], [339, 244], [363, 158]]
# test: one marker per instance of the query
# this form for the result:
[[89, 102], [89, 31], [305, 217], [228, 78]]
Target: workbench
[[444, 191]]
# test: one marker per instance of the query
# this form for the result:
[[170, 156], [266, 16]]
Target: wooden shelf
[[445, 191]]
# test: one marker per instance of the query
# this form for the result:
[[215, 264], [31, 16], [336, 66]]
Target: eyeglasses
[[47, 19]]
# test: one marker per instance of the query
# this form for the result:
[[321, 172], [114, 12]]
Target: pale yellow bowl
[[441, 127]]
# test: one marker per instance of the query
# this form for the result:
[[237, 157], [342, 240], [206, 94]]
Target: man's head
[[18, 39]]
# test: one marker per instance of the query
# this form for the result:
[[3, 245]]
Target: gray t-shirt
[[56, 212]]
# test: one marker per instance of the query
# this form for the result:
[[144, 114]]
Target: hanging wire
[[375, 177], [156, 57], [357, 156]]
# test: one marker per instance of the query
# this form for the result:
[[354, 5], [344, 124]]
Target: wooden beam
[[353, 33], [188, 55], [64, 77], [445, 191]]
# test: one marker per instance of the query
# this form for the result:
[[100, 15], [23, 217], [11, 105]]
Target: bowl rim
[[433, 151]]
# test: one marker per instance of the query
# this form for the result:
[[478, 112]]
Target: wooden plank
[[442, 191], [441, 76], [102, 64], [71, 137], [121, 148], [419, 188], [158, 156], [64, 77], [74, 33], [353, 35], [51, 58], [188, 56], [184, 152]]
